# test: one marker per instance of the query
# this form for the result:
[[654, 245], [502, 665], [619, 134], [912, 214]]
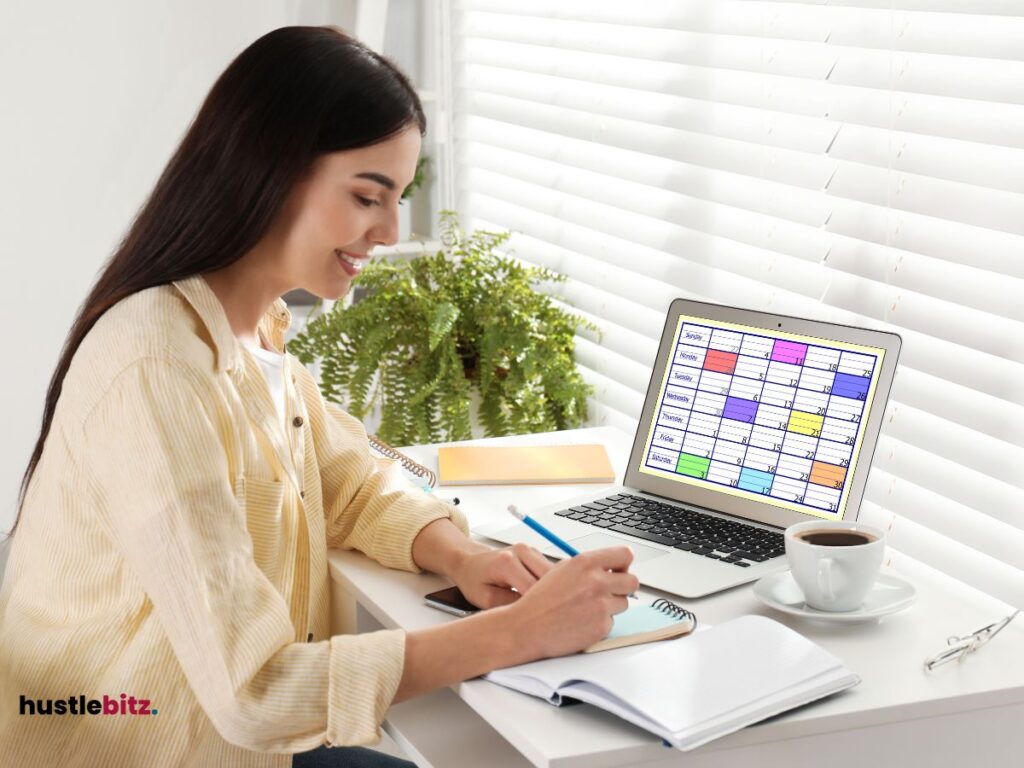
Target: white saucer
[[890, 594]]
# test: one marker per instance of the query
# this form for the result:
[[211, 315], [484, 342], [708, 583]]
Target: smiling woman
[[189, 477]]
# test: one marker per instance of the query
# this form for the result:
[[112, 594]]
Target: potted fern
[[435, 331]]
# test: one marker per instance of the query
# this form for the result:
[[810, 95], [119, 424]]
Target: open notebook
[[696, 688]]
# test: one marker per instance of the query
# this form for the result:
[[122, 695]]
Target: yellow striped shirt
[[173, 548]]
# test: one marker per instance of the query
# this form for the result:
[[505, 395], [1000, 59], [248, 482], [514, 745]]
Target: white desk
[[960, 715]]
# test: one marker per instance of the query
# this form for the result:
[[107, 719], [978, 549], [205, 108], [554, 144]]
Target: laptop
[[752, 422]]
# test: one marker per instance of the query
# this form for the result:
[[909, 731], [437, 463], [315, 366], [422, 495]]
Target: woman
[[188, 478]]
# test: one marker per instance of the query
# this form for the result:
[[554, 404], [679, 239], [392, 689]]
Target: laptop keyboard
[[687, 529]]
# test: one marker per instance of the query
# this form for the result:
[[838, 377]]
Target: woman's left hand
[[487, 576]]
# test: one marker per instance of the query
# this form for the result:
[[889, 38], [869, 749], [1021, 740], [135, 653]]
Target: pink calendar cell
[[789, 352]]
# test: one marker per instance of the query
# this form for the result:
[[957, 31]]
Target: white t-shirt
[[272, 364]]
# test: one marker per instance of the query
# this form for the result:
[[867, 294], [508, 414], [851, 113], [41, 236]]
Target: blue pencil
[[565, 546], [562, 545]]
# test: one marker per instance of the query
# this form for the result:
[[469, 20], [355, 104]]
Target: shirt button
[[297, 421], [302, 494]]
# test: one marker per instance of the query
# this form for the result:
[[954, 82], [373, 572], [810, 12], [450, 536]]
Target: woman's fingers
[[622, 584], [512, 572], [533, 560]]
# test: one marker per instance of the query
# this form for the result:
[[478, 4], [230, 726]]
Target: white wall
[[94, 96]]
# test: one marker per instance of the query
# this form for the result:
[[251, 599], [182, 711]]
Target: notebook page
[[684, 683], [553, 673], [639, 618]]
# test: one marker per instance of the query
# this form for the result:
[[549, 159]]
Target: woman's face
[[346, 206]]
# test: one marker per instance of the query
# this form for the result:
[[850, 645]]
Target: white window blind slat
[[969, 204], [978, 490], [940, 514], [858, 161], [918, 542], [970, 287], [963, 118], [661, 277]]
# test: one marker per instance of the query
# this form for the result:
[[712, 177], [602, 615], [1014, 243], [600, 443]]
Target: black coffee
[[829, 538]]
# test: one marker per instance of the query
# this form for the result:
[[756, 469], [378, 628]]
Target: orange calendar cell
[[828, 475], [720, 362]]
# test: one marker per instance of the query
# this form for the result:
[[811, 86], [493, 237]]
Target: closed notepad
[[660, 620], [530, 465]]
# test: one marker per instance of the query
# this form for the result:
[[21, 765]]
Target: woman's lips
[[352, 264]]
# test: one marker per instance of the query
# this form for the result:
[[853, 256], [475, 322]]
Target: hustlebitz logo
[[83, 705]]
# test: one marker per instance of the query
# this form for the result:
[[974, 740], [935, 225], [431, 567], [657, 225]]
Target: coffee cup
[[835, 563]]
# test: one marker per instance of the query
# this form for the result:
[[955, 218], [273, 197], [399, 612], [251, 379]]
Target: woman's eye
[[367, 202]]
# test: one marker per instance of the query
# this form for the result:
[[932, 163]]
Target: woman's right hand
[[572, 605]]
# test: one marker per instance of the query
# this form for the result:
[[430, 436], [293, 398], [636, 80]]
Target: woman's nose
[[385, 232]]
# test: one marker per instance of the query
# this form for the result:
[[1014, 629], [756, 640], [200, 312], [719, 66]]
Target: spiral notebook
[[415, 471], [692, 689], [661, 620]]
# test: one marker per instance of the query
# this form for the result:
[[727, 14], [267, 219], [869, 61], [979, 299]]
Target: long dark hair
[[293, 95]]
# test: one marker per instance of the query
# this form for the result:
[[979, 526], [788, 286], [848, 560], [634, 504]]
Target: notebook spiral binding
[[675, 611], [410, 466]]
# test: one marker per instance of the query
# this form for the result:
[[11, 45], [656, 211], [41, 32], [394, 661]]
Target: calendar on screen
[[774, 417]]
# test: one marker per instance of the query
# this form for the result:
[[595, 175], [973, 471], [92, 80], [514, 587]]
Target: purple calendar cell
[[739, 410], [789, 352], [853, 387]]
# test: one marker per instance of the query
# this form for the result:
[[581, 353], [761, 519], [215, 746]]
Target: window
[[860, 162]]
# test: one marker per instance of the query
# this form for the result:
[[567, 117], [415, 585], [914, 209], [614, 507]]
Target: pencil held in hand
[[565, 546]]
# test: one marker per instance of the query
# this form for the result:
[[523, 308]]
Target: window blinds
[[860, 161]]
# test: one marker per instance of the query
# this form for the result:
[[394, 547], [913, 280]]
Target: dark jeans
[[347, 757]]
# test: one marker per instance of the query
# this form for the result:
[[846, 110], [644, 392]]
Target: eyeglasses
[[960, 647]]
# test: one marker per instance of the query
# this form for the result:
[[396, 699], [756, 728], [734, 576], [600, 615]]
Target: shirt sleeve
[[368, 505], [160, 482]]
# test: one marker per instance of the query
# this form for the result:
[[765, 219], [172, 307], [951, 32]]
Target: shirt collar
[[227, 348]]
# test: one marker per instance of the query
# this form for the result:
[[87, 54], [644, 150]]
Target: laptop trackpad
[[602, 540]]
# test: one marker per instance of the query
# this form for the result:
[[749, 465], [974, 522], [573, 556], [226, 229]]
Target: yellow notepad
[[529, 465], [660, 620]]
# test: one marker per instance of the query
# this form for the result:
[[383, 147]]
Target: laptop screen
[[763, 415]]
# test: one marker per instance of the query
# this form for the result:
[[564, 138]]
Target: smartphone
[[450, 600]]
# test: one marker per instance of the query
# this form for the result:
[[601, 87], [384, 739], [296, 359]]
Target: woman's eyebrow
[[380, 178]]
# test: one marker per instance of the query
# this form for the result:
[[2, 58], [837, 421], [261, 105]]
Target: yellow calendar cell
[[805, 423]]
